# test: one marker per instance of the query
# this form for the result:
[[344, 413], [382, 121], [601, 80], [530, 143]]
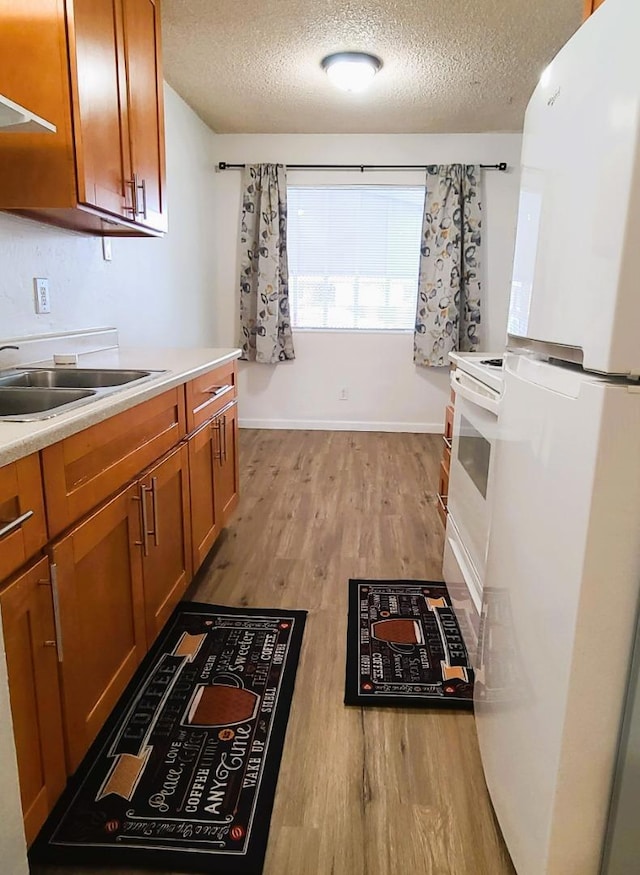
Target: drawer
[[209, 393], [22, 517], [84, 469], [448, 422]]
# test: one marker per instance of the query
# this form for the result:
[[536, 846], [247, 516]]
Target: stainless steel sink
[[71, 378], [28, 394], [24, 403]]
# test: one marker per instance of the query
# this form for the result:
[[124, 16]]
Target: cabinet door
[[99, 95], [163, 501], [145, 103], [23, 529], [32, 667], [204, 452], [98, 570], [226, 472]]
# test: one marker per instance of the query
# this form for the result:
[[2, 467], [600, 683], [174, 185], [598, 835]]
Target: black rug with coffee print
[[183, 775], [405, 647]]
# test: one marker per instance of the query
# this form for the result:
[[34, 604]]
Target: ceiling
[[450, 66]]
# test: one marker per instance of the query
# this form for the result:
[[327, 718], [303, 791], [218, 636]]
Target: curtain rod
[[222, 165]]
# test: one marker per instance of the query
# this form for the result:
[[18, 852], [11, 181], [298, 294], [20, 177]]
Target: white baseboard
[[341, 425]]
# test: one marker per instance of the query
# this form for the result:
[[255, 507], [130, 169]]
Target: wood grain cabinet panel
[[163, 503], [145, 104], [206, 522], [227, 473], [214, 479], [32, 667], [209, 393], [22, 517], [97, 569], [84, 469], [93, 68]]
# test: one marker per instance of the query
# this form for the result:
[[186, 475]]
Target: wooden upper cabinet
[[145, 109], [93, 68], [103, 159]]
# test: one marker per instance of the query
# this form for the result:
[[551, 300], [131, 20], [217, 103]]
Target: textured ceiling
[[450, 66]]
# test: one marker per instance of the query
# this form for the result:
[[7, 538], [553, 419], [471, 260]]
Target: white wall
[[156, 291], [386, 390]]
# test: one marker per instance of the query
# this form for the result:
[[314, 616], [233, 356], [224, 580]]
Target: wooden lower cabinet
[[32, 667], [205, 520], [97, 569], [213, 467], [23, 528], [227, 474], [163, 502]]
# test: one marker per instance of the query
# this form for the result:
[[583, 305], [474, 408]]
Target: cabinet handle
[[217, 453], [142, 498], [219, 390], [447, 441], [55, 594], [133, 182], [143, 188], [154, 506], [224, 433], [15, 524]]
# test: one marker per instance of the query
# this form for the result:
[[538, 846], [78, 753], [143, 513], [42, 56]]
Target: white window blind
[[354, 254]]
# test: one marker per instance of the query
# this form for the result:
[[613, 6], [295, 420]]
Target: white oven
[[469, 502]]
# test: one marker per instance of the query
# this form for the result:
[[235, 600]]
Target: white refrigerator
[[562, 580]]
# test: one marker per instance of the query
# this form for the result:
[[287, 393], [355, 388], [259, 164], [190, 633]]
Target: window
[[354, 254]]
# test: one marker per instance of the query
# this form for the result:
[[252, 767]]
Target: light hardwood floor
[[360, 791]]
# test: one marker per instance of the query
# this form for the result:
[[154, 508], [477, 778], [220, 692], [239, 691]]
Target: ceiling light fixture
[[351, 71]]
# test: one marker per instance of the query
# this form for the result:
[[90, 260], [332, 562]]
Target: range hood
[[16, 119]]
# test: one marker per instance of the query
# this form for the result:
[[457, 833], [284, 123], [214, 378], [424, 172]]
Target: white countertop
[[19, 439]]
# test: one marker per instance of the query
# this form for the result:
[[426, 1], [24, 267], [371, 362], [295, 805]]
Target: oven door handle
[[480, 398]]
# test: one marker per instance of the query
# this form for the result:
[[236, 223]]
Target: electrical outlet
[[41, 286], [344, 394]]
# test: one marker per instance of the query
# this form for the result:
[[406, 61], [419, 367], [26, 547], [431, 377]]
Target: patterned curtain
[[448, 311], [264, 275]]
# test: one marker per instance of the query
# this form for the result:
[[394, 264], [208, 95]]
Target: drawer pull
[[15, 524], [56, 610], [220, 390]]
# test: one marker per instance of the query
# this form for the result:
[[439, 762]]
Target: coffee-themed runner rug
[[405, 647], [183, 775]]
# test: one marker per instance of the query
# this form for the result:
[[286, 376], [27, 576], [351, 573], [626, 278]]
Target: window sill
[[351, 330]]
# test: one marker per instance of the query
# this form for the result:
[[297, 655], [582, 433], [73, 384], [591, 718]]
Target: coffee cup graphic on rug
[[400, 634], [221, 705]]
